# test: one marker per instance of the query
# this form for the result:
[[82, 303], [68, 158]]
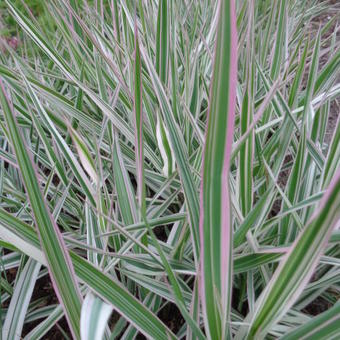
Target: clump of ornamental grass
[[171, 168]]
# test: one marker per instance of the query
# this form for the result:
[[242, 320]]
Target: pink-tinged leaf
[[297, 266], [215, 210], [59, 263], [138, 108]]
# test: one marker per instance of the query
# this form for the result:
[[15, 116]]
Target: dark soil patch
[[332, 120], [44, 291], [319, 305]]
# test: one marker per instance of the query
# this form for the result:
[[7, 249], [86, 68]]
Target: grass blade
[[17, 309], [59, 264], [94, 316], [215, 218], [138, 108], [296, 269], [104, 286], [322, 327]]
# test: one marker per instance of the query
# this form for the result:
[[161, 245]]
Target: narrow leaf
[[215, 218], [296, 269], [59, 264]]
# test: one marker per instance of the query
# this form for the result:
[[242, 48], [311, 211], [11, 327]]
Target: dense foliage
[[172, 167]]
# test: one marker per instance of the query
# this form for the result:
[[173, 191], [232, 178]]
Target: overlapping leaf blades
[[58, 260], [117, 139]]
